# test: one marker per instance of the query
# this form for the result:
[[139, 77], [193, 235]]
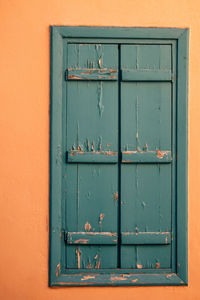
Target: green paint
[[115, 180]]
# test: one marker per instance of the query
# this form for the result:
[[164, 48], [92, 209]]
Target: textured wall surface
[[24, 138]]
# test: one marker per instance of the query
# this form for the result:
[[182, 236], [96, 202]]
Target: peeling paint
[[98, 264], [88, 277], [161, 154], [58, 270], [139, 266], [78, 254], [100, 220], [92, 146], [115, 196], [157, 265], [100, 98], [110, 153], [82, 241], [117, 278], [134, 280], [87, 226], [170, 275]]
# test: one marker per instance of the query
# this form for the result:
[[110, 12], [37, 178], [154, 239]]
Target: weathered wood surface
[[92, 74], [145, 238], [157, 156], [132, 192], [92, 238], [92, 157], [146, 75]]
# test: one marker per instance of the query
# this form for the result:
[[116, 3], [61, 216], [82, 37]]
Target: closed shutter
[[137, 234], [118, 180]]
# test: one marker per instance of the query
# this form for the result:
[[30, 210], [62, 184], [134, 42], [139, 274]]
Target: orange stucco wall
[[24, 138]]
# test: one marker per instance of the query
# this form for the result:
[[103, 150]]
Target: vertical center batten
[[119, 158]]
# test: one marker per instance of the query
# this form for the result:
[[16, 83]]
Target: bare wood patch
[[82, 241], [78, 254], [157, 265], [88, 277], [139, 266], [58, 270], [87, 226]]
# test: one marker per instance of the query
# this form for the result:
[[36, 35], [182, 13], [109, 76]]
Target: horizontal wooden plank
[[142, 238], [157, 156], [76, 156], [113, 279], [92, 74], [91, 238], [146, 75]]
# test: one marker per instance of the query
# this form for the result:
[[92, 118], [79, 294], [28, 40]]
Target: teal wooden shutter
[[92, 156], [118, 180], [146, 156]]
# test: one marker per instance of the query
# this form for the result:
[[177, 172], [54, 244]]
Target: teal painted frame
[[57, 275]]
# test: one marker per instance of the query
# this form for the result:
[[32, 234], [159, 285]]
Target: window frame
[[57, 276]]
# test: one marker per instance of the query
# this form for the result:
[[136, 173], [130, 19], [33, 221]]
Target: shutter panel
[[146, 156], [91, 170]]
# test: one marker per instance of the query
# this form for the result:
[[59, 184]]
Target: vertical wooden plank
[[174, 159], [55, 155], [146, 57], [182, 152], [146, 126], [146, 110], [92, 126], [92, 106], [146, 198], [92, 206]]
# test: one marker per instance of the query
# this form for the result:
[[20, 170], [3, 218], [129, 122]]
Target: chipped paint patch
[[98, 264], [87, 226], [117, 278], [100, 220], [161, 154], [157, 265], [78, 254], [134, 280], [81, 241], [100, 98], [139, 266], [88, 277], [170, 275], [110, 153], [58, 270], [115, 196]]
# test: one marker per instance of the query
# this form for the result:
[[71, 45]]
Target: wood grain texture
[[91, 74]]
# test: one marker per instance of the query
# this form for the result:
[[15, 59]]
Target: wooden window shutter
[[118, 181]]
